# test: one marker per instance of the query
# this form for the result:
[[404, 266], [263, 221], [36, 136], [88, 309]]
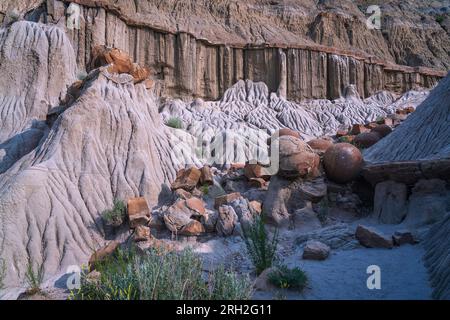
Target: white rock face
[[423, 136], [54, 183], [37, 65]]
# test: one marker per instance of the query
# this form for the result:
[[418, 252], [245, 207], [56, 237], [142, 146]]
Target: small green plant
[[116, 216], [175, 123], [160, 275], [345, 139], [34, 278], [440, 18], [286, 278], [205, 189], [261, 249]]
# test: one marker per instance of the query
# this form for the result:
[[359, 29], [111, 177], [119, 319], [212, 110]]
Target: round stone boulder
[[366, 139], [342, 162], [383, 130], [297, 159]]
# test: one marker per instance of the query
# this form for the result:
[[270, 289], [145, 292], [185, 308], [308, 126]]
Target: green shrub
[[286, 278], [34, 278], [116, 216], [160, 275], [440, 19], [175, 123], [261, 249], [205, 189]]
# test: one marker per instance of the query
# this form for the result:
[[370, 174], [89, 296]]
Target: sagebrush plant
[[160, 275], [34, 277], [286, 278], [175, 123], [261, 249], [116, 216]]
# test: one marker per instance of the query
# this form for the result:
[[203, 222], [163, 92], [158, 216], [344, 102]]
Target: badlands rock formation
[[70, 146], [109, 144], [419, 150], [302, 50]]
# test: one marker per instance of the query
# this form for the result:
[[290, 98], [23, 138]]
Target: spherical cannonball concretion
[[383, 130], [342, 162], [366, 139]]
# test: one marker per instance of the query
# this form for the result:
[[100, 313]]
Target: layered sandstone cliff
[[191, 63]]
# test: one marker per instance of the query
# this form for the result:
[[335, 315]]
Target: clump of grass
[[175, 123], [160, 275], [261, 249], [205, 189], [116, 216], [286, 278], [34, 278], [2, 273], [226, 285], [440, 18]]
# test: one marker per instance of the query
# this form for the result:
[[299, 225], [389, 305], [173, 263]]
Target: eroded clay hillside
[[124, 108]]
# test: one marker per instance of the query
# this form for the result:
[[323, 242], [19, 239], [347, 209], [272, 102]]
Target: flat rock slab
[[103, 253], [371, 238]]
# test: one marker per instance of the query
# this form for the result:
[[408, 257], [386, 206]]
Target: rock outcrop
[[419, 148], [437, 258], [305, 65], [108, 144]]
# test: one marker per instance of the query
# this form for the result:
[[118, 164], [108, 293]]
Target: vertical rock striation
[[195, 67]]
